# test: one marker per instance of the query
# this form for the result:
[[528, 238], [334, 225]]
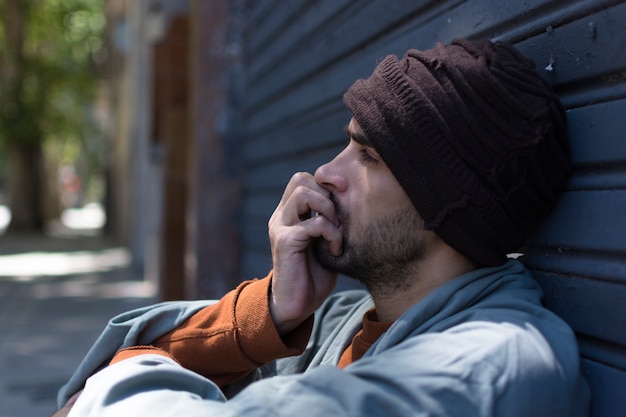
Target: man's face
[[382, 233]]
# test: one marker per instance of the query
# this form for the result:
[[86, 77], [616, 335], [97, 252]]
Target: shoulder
[[507, 366], [493, 349]]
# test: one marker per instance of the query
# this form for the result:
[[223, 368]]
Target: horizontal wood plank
[[592, 308], [608, 396], [585, 221]]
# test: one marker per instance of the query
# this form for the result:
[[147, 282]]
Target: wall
[[299, 57], [265, 101]]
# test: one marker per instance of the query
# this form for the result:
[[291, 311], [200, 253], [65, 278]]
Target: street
[[56, 294]]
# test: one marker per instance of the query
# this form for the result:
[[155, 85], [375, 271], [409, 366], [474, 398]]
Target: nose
[[331, 175]]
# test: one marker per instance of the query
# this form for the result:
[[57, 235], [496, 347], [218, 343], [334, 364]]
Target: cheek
[[368, 210], [372, 193], [384, 199]]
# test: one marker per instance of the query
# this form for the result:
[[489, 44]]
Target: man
[[453, 152]]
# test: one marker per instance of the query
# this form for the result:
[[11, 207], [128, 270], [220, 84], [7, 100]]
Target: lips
[[337, 221], [340, 216]]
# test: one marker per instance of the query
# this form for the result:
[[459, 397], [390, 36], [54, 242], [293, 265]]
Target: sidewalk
[[56, 295]]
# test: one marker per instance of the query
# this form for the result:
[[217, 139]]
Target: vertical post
[[171, 125], [212, 231]]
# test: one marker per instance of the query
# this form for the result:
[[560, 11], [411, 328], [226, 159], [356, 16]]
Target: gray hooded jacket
[[480, 345]]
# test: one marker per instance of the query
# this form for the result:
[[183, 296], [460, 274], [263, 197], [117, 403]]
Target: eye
[[366, 156]]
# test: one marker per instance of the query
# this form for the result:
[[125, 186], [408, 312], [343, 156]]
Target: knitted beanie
[[475, 137]]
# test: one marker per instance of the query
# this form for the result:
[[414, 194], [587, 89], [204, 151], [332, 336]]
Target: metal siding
[[609, 396], [579, 252], [301, 56]]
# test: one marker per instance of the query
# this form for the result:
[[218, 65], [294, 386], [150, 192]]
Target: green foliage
[[50, 94]]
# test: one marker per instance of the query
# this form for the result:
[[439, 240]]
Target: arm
[[475, 370], [298, 287], [213, 343], [227, 340]]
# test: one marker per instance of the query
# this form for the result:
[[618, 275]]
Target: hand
[[299, 283], [63, 412]]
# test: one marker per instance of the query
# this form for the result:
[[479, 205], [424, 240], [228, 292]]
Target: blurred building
[[170, 178], [215, 104]]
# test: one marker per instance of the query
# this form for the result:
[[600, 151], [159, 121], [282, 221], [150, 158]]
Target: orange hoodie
[[227, 340]]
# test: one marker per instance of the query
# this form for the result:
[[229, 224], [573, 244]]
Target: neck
[[421, 279]]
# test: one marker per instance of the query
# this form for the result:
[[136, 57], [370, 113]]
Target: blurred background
[[144, 145], [52, 110]]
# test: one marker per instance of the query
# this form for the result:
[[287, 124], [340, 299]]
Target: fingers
[[292, 225], [303, 196], [299, 283], [319, 226], [298, 236], [302, 202], [301, 179]]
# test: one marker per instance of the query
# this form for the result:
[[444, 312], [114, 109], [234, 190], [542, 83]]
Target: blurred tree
[[50, 52]]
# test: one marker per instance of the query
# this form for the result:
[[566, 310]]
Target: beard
[[380, 253]]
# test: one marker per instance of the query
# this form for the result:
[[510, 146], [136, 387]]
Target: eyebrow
[[357, 136]]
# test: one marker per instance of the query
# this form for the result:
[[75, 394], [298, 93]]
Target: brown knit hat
[[474, 135]]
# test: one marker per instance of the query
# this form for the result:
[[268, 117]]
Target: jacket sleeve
[[227, 340], [477, 370]]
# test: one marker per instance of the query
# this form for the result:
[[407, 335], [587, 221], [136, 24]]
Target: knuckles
[[302, 199], [300, 177], [301, 191]]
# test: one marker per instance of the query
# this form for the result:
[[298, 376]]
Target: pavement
[[57, 292]]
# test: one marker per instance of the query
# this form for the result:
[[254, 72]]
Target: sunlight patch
[[28, 266]]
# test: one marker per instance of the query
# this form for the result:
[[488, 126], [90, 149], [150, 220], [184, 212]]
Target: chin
[[322, 254]]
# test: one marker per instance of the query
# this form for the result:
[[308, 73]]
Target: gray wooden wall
[[300, 56]]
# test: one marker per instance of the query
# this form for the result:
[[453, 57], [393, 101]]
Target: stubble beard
[[381, 254]]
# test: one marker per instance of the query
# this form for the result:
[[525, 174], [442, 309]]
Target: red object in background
[[71, 183]]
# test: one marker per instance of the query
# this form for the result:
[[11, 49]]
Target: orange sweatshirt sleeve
[[227, 340]]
